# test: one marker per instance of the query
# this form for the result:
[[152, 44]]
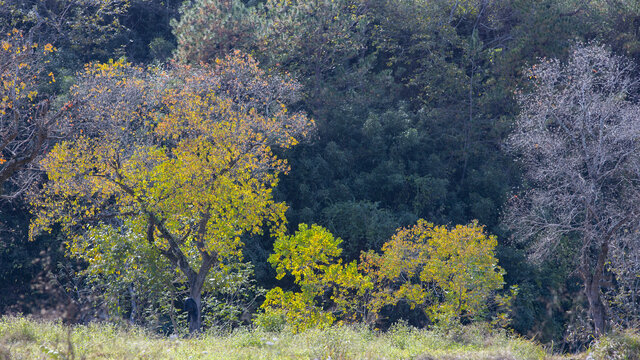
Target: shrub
[[616, 346]]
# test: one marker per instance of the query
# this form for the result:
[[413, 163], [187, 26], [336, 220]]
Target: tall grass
[[22, 338]]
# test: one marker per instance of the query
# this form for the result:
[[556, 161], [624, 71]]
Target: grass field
[[22, 338]]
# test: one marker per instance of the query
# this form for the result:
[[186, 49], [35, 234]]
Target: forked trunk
[[193, 304]]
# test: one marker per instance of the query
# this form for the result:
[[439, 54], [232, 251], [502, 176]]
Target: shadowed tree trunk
[[592, 285], [195, 314]]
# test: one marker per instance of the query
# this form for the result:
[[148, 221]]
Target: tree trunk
[[176, 256], [596, 306], [592, 284], [196, 322]]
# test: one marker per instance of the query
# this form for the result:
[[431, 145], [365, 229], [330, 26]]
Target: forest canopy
[[298, 164]]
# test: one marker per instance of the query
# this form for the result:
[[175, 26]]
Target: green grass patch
[[22, 338]]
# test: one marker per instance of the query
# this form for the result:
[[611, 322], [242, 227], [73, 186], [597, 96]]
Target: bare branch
[[578, 139]]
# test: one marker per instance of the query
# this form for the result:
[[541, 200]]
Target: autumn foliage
[[311, 255], [450, 274], [27, 121], [183, 155]]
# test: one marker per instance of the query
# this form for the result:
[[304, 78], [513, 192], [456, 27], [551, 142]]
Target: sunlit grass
[[22, 338]]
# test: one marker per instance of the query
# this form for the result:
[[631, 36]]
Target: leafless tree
[[578, 140]]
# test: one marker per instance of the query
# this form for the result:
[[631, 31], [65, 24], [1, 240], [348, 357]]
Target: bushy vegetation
[[620, 345]]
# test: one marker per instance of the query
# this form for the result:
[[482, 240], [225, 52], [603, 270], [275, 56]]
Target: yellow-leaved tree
[[181, 156], [449, 273], [28, 119], [327, 285]]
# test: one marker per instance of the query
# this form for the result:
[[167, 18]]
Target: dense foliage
[[451, 274], [164, 166]]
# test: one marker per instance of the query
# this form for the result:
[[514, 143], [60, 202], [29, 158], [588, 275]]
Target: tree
[[28, 119], [328, 287], [365, 223], [578, 140], [130, 279], [208, 29], [83, 28], [183, 156], [451, 274]]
